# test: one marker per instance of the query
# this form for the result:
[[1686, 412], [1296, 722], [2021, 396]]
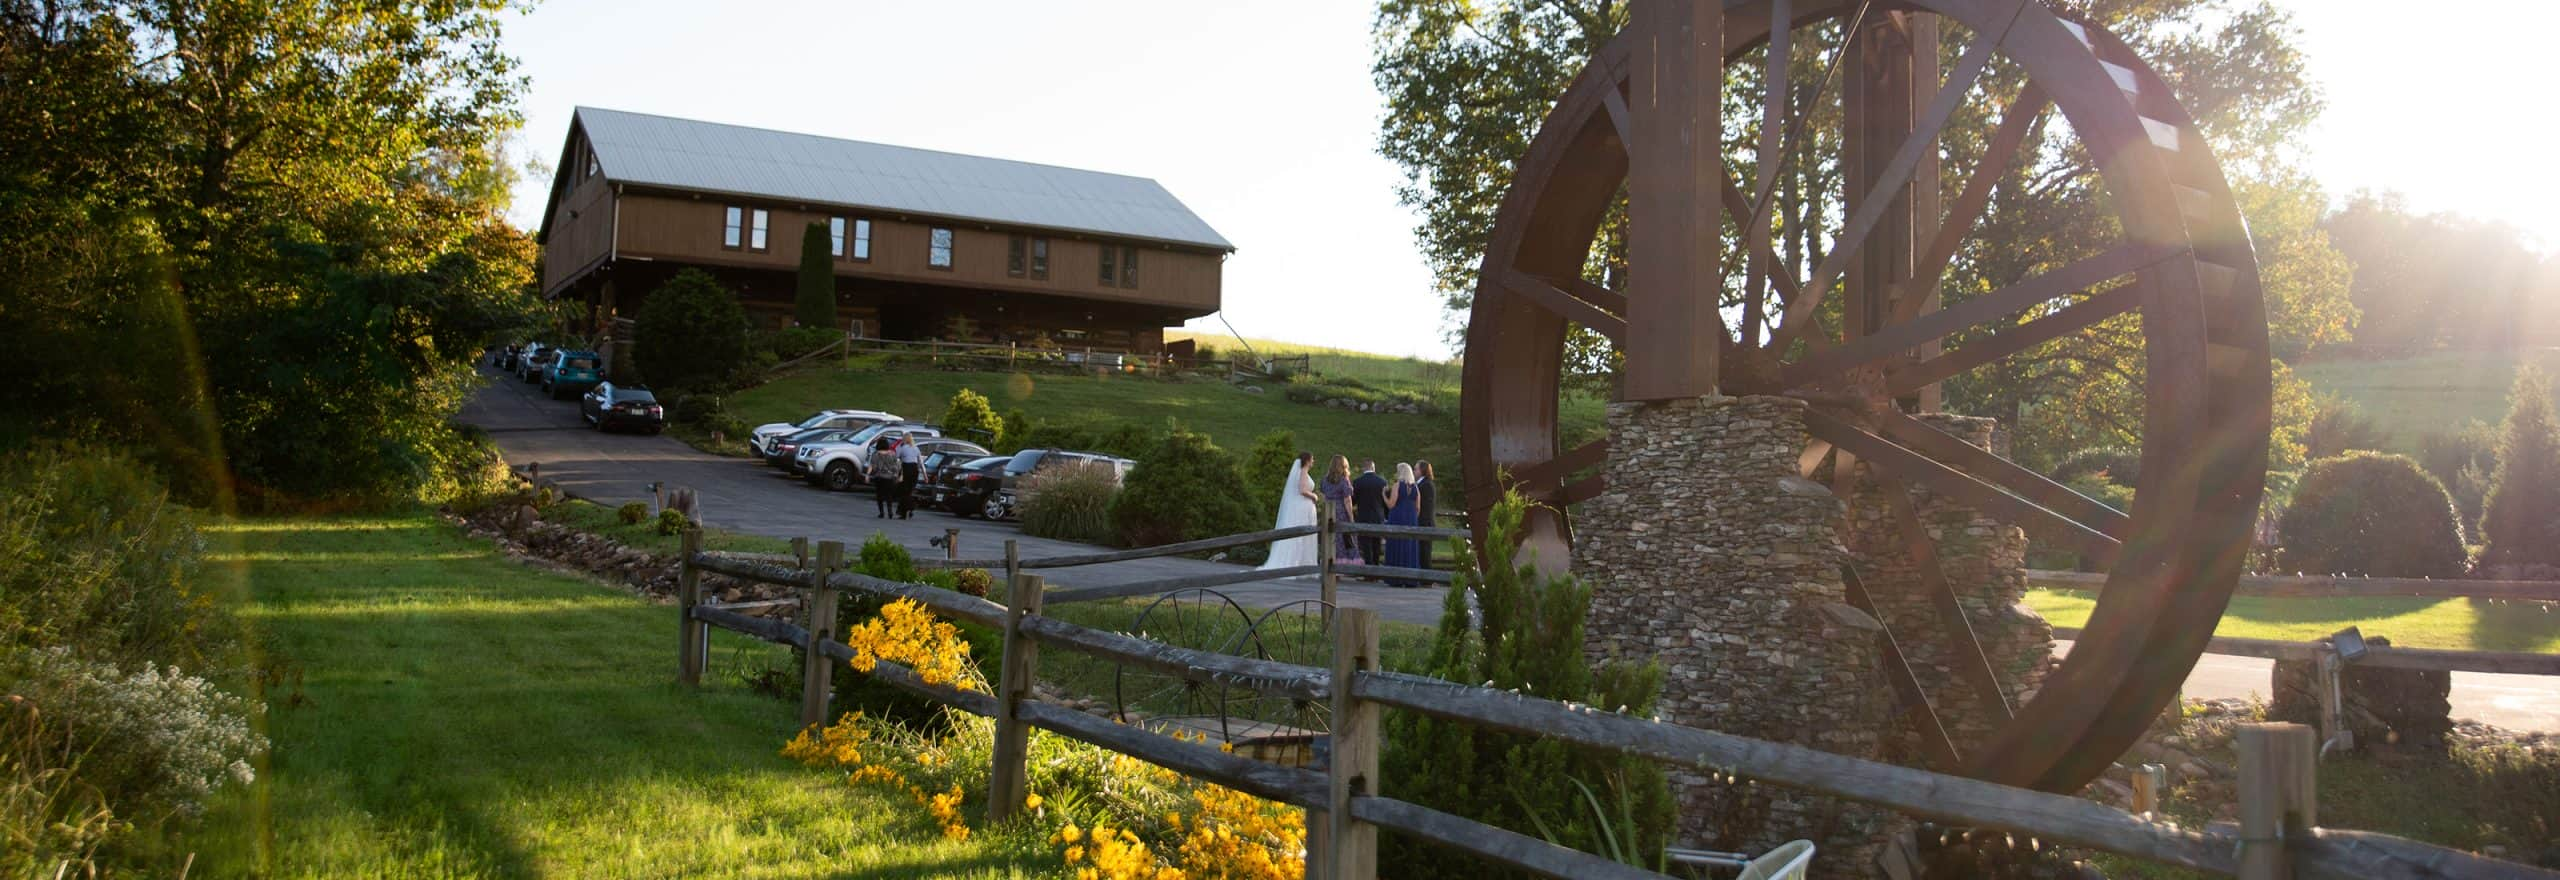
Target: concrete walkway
[[746, 496]]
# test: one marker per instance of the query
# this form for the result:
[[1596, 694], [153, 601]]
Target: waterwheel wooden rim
[[2172, 562]]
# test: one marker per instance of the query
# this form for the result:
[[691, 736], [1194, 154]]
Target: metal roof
[[640, 148]]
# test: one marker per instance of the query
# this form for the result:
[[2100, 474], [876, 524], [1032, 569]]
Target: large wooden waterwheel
[[1861, 329]]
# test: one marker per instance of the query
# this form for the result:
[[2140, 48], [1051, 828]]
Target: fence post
[[800, 614], [816, 671], [1351, 846], [1324, 558], [1011, 779], [2149, 780], [1012, 568], [692, 636], [951, 544], [2279, 767]]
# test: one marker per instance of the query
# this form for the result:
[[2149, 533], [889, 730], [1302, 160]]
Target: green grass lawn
[[2449, 624], [2409, 398], [441, 711]]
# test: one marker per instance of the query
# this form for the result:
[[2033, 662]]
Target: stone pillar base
[[1711, 555]]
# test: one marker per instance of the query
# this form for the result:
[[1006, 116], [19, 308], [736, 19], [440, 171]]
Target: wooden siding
[[576, 243], [687, 229]]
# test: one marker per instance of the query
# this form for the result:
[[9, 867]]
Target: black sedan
[[609, 406], [965, 489]]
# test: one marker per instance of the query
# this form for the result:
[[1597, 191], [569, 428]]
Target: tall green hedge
[[2366, 513], [815, 305], [2520, 521]]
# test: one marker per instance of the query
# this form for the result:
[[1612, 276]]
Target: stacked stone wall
[[1710, 554]]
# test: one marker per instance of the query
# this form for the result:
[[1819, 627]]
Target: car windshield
[[812, 421], [1025, 460], [807, 436]]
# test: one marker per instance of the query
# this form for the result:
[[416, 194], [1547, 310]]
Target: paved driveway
[[747, 496]]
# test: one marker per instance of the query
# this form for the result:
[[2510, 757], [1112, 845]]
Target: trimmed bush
[[690, 333], [969, 417], [1529, 640], [1185, 489], [2366, 513], [792, 342], [815, 303], [632, 513], [1069, 503], [2520, 520], [973, 581], [1017, 426], [670, 522], [2337, 428], [1266, 465]]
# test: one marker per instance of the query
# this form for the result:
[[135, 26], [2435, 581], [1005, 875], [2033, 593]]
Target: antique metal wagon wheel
[[1197, 618], [2180, 266], [1297, 634]]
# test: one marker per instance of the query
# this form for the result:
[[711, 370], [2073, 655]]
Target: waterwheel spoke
[[1586, 309], [1546, 477], [1906, 685], [1920, 293], [1914, 467], [1963, 648], [1896, 173], [2122, 260], [1982, 464], [2000, 346], [1773, 123]]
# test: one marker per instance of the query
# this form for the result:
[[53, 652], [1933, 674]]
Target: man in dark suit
[[1369, 505]]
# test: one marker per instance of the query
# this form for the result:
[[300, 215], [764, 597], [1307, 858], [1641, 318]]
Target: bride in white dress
[[1297, 508]]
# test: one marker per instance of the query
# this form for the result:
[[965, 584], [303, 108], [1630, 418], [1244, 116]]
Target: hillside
[[2409, 398]]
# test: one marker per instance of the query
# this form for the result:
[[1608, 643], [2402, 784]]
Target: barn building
[[925, 244]]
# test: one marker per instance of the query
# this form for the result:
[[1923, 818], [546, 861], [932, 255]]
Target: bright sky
[[1261, 117]]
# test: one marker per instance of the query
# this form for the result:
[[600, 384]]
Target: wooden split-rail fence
[[2278, 835]]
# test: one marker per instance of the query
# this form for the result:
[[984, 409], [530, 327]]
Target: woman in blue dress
[[1404, 508]]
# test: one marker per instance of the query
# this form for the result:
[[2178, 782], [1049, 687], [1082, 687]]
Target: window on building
[[938, 251], [1110, 264], [593, 167], [1128, 267], [1040, 259], [835, 237], [1017, 256], [755, 233], [861, 239], [729, 229]]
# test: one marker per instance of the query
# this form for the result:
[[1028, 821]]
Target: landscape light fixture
[[2349, 642]]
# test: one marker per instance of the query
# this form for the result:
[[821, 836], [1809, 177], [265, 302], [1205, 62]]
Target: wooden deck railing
[[2278, 835]]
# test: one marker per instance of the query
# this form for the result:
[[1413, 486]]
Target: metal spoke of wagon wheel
[[1201, 619], [1296, 634]]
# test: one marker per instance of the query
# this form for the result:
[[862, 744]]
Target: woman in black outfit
[[1428, 516]]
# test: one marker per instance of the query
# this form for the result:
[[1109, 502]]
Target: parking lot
[[744, 495]]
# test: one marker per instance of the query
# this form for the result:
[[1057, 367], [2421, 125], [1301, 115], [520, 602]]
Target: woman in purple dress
[[1404, 508], [1337, 494]]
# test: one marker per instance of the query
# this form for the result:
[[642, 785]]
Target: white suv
[[844, 464], [766, 435]]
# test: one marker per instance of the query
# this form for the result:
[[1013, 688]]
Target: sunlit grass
[[2448, 624], [439, 710]]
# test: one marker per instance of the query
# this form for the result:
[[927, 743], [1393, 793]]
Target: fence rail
[[1345, 808]]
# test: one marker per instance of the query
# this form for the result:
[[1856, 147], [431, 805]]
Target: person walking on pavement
[[884, 477], [1369, 505], [910, 462]]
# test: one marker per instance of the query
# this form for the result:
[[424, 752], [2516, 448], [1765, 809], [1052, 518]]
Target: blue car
[[573, 372]]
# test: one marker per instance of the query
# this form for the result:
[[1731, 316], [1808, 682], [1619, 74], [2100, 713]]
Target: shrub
[[970, 418], [2337, 428], [2463, 461], [155, 741], [2520, 520], [2116, 464], [690, 333], [1529, 639], [696, 409], [1017, 426], [2366, 513], [632, 513], [815, 303], [1315, 390], [670, 521], [974, 581], [1069, 503], [96, 558], [1184, 489], [883, 558], [791, 342], [1267, 465]]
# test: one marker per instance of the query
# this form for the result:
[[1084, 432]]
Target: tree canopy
[[261, 243]]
